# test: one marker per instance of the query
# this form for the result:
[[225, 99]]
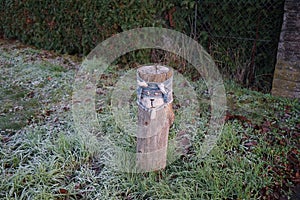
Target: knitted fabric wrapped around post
[[154, 96]]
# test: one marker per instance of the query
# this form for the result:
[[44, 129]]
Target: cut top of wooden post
[[155, 73], [154, 87]]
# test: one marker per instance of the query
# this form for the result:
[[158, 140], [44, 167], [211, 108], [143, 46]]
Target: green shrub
[[241, 35], [74, 26]]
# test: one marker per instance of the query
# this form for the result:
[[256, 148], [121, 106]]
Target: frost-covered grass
[[43, 157]]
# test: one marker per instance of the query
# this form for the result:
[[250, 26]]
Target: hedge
[[77, 26]]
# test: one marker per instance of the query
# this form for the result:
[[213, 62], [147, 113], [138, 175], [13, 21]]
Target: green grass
[[42, 156]]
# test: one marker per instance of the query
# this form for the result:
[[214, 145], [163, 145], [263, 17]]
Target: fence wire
[[242, 36]]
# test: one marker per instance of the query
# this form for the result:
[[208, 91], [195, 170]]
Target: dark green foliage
[[241, 35], [73, 26], [1, 17]]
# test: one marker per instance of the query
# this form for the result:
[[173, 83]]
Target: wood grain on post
[[153, 131]]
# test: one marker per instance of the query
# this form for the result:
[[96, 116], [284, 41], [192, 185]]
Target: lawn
[[43, 157]]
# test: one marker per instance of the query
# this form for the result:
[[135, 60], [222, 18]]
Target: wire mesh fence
[[242, 36]]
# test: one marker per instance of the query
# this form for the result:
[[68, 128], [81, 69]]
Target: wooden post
[[155, 116]]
